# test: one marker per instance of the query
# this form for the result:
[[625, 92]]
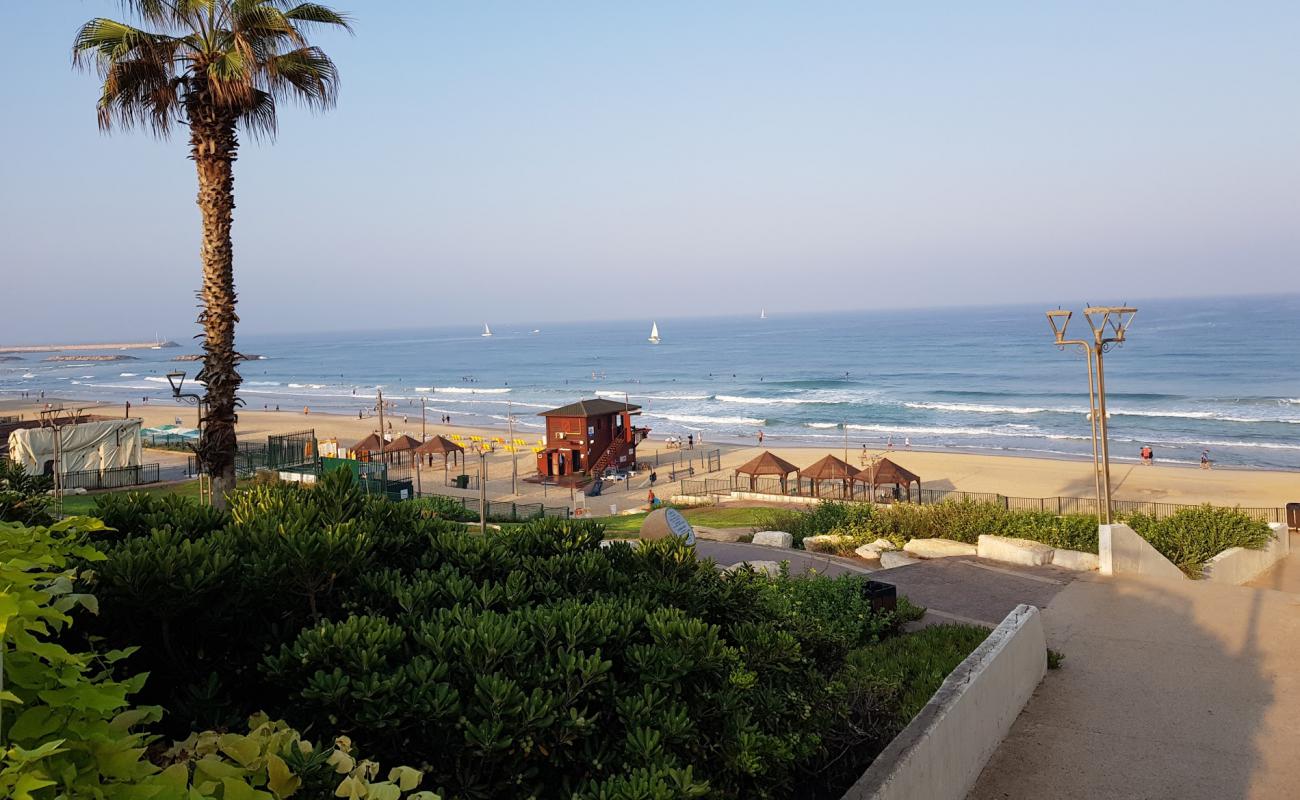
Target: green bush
[[528, 662], [23, 497], [906, 671], [446, 508], [1192, 536], [959, 520]]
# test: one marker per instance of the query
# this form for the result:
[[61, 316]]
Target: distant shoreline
[[51, 348]]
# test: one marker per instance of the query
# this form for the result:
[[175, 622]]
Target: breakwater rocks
[[92, 358]]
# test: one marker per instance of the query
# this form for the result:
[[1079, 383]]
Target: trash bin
[[883, 596], [462, 481]]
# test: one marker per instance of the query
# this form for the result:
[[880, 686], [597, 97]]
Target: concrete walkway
[[1170, 689], [1284, 576]]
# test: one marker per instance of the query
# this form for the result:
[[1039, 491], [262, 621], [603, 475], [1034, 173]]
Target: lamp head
[[177, 380], [1059, 320], [1109, 322]]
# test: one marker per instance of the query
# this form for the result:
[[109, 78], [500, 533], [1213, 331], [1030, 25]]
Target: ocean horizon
[[1195, 374]]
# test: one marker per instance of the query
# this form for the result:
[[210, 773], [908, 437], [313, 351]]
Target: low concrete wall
[[1236, 565], [775, 498], [941, 753], [1123, 552]]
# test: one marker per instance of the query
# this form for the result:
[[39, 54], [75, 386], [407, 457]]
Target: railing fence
[[111, 478]]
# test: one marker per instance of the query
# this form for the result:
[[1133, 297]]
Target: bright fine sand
[[1008, 475]]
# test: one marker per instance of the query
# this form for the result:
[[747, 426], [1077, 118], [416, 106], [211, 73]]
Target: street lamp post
[[1109, 325], [177, 381]]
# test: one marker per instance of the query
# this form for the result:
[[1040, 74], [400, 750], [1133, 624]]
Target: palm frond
[[158, 12], [259, 21], [259, 117], [139, 92], [307, 74], [305, 14], [107, 41]]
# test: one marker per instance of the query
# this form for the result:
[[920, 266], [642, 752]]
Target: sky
[[559, 161]]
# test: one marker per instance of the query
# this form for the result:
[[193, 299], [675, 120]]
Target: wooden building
[[585, 438]]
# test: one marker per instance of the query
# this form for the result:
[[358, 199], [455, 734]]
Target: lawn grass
[[83, 504], [710, 517]]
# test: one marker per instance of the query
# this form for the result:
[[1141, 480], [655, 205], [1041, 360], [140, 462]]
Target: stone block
[[938, 548], [893, 558], [773, 539], [826, 543], [772, 568], [868, 552], [1076, 560], [1015, 551]]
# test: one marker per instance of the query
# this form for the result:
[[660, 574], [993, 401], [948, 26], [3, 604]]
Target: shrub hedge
[[1188, 538], [524, 663]]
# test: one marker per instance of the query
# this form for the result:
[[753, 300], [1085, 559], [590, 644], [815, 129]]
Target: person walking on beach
[[654, 476], [690, 441], [651, 499], [889, 443], [1147, 455], [760, 438], [1205, 459], [907, 442]]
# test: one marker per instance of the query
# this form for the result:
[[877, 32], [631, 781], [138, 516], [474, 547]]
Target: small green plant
[[23, 497], [1055, 658], [1192, 536]]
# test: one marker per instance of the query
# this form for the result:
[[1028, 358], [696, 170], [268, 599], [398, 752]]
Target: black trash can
[[883, 596], [462, 482]]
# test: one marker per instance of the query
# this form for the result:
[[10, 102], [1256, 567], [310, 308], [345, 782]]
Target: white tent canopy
[[87, 446]]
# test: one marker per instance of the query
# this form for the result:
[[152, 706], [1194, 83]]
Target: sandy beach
[[1015, 476]]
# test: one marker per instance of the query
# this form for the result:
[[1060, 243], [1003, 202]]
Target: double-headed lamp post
[[177, 381], [1109, 326]]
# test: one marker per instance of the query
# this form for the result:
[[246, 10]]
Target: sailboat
[[654, 333], [486, 330], [762, 314]]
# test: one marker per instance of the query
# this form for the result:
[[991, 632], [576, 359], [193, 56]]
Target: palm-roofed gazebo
[[368, 445], [440, 445], [766, 463], [402, 444], [830, 468], [883, 472]]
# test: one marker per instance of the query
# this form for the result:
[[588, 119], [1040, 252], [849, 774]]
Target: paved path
[[1170, 689], [958, 589], [1284, 576]]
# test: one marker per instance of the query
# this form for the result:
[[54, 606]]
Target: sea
[[1221, 375]]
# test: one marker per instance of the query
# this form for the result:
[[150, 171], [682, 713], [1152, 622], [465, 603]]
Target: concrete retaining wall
[[1236, 565], [775, 498], [1123, 552], [941, 753]]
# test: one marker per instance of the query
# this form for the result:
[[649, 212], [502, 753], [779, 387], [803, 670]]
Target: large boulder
[[938, 548], [872, 551], [1076, 560], [1015, 551], [665, 522], [826, 543], [772, 568], [893, 558], [773, 539]]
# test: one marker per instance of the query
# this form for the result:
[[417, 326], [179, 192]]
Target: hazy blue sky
[[487, 159]]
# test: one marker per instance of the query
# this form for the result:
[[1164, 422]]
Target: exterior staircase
[[616, 450]]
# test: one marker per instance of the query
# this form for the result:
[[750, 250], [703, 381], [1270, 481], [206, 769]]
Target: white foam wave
[[153, 379], [466, 390], [823, 424], [707, 420], [424, 388], [256, 383], [661, 396], [764, 401], [127, 374], [979, 408]]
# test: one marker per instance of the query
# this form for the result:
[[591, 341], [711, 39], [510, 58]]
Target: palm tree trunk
[[214, 147]]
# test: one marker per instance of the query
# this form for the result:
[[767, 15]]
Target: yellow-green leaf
[[383, 791], [235, 789], [405, 777], [242, 749], [280, 779]]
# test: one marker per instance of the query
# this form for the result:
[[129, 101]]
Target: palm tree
[[215, 66]]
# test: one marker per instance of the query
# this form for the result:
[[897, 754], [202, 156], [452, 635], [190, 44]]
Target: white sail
[[654, 332], [762, 314], [486, 330]]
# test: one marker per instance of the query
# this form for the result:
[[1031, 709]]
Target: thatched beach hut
[[883, 472], [830, 468], [766, 463]]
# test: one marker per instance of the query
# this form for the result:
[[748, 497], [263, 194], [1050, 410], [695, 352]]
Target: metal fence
[[505, 511], [1056, 505], [291, 449], [111, 478]]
